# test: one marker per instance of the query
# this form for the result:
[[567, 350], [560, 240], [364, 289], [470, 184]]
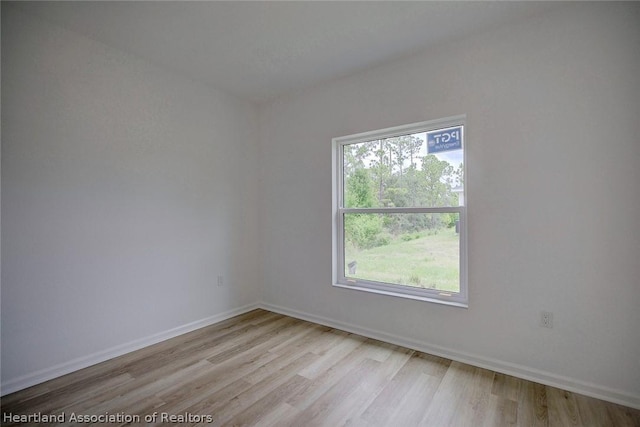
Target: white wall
[[553, 109], [126, 191]]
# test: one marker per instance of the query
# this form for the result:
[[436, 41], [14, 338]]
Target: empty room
[[320, 213]]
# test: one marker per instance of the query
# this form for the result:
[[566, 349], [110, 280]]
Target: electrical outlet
[[546, 319], [220, 281]]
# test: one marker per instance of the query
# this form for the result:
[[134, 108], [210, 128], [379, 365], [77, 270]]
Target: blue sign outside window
[[444, 140]]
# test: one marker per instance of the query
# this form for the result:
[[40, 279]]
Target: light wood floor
[[266, 369]]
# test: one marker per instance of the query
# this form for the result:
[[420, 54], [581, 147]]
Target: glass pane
[[400, 172], [418, 250]]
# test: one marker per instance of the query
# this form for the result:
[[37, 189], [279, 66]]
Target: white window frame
[[430, 295]]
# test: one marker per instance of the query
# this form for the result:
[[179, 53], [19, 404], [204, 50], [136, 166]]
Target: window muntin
[[400, 214]]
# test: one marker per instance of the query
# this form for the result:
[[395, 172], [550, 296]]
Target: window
[[399, 211]]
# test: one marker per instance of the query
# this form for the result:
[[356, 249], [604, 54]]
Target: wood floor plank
[[216, 376], [338, 351], [245, 399], [282, 414], [393, 394], [500, 412], [623, 416], [433, 365], [345, 411], [468, 389], [413, 407], [450, 394], [592, 410], [352, 352], [563, 410], [266, 369], [270, 332], [58, 402], [532, 405], [254, 413], [506, 386], [209, 403], [321, 409], [378, 350], [303, 339]]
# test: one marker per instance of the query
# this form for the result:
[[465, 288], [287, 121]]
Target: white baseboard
[[43, 375], [535, 375], [547, 378]]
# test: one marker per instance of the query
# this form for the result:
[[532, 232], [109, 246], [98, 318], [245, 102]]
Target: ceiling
[[259, 50]]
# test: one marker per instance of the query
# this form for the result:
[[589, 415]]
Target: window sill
[[402, 295]]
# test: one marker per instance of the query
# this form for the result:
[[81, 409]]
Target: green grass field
[[431, 261]]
